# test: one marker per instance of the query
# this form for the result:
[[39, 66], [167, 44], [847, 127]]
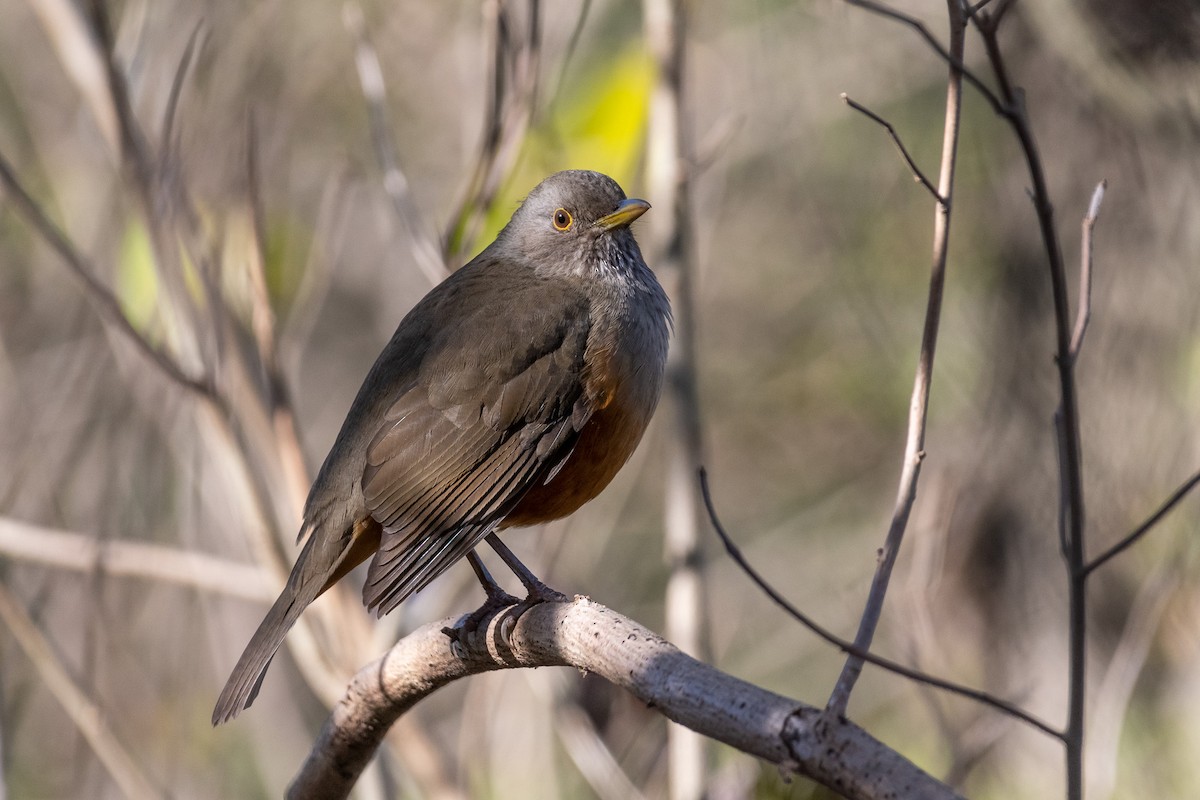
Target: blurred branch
[[851, 648], [669, 182], [185, 62], [1085, 270], [1112, 700], [76, 51], [583, 743], [510, 106], [328, 230], [167, 210], [914, 448], [105, 301], [918, 175], [370, 78], [1141, 530], [263, 325], [84, 553], [590, 637], [569, 54], [134, 150], [85, 714]]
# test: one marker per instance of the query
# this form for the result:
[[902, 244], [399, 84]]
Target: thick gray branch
[[590, 637]]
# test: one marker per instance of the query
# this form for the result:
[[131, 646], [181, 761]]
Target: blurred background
[[288, 215]]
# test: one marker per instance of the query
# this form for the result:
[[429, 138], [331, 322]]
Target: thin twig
[[158, 188], [510, 105], [395, 183], [581, 740], [169, 113], [263, 326], [914, 447], [1064, 517], [106, 302], [849, 647], [1141, 530], [1084, 313], [948, 56], [88, 717], [1072, 500], [134, 150], [1112, 699], [569, 55], [262, 315], [918, 175]]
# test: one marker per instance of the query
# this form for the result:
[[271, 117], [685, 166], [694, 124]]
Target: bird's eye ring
[[561, 219]]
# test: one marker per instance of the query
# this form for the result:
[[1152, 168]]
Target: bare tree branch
[[918, 175], [107, 304], [590, 637], [84, 713], [914, 448], [135, 151], [954, 60], [1085, 270], [1141, 530], [849, 647], [263, 326], [370, 78], [1071, 501], [84, 553], [668, 178], [67, 27], [510, 106], [185, 62], [1116, 684]]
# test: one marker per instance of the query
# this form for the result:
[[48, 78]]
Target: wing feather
[[492, 413]]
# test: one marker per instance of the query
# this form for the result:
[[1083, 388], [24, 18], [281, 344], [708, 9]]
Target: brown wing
[[496, 406]]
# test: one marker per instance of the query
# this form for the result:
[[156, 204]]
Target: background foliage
[[813, 248]]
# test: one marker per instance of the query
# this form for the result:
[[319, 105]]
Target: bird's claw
[[462, 631]]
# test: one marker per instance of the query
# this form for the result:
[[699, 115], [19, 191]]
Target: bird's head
[[575, 220]]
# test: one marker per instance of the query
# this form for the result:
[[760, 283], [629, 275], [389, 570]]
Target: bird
[[509, 396]]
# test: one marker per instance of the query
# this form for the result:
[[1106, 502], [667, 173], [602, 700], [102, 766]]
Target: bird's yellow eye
[[561, 219]]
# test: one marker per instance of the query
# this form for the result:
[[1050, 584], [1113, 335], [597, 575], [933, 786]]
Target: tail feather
[[243, 684], [323, 561]]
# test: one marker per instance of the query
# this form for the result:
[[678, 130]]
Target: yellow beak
[[627, 211]]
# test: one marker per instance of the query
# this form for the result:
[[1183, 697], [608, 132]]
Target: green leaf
[[137, 278], [598, 122]]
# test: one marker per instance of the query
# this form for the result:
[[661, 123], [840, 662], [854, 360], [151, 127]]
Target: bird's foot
[[541, 593], [538, 593], [464, 630]]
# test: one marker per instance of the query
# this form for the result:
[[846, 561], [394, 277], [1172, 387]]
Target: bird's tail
[[243, 684], [322, 563]]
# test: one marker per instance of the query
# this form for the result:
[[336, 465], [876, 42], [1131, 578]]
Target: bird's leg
[[497, 598], [538, 591]]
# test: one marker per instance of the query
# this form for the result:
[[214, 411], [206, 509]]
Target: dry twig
[[914, 449], [918, 175], [1084, 313], [84, 713], [83, 553], [850, 648]]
